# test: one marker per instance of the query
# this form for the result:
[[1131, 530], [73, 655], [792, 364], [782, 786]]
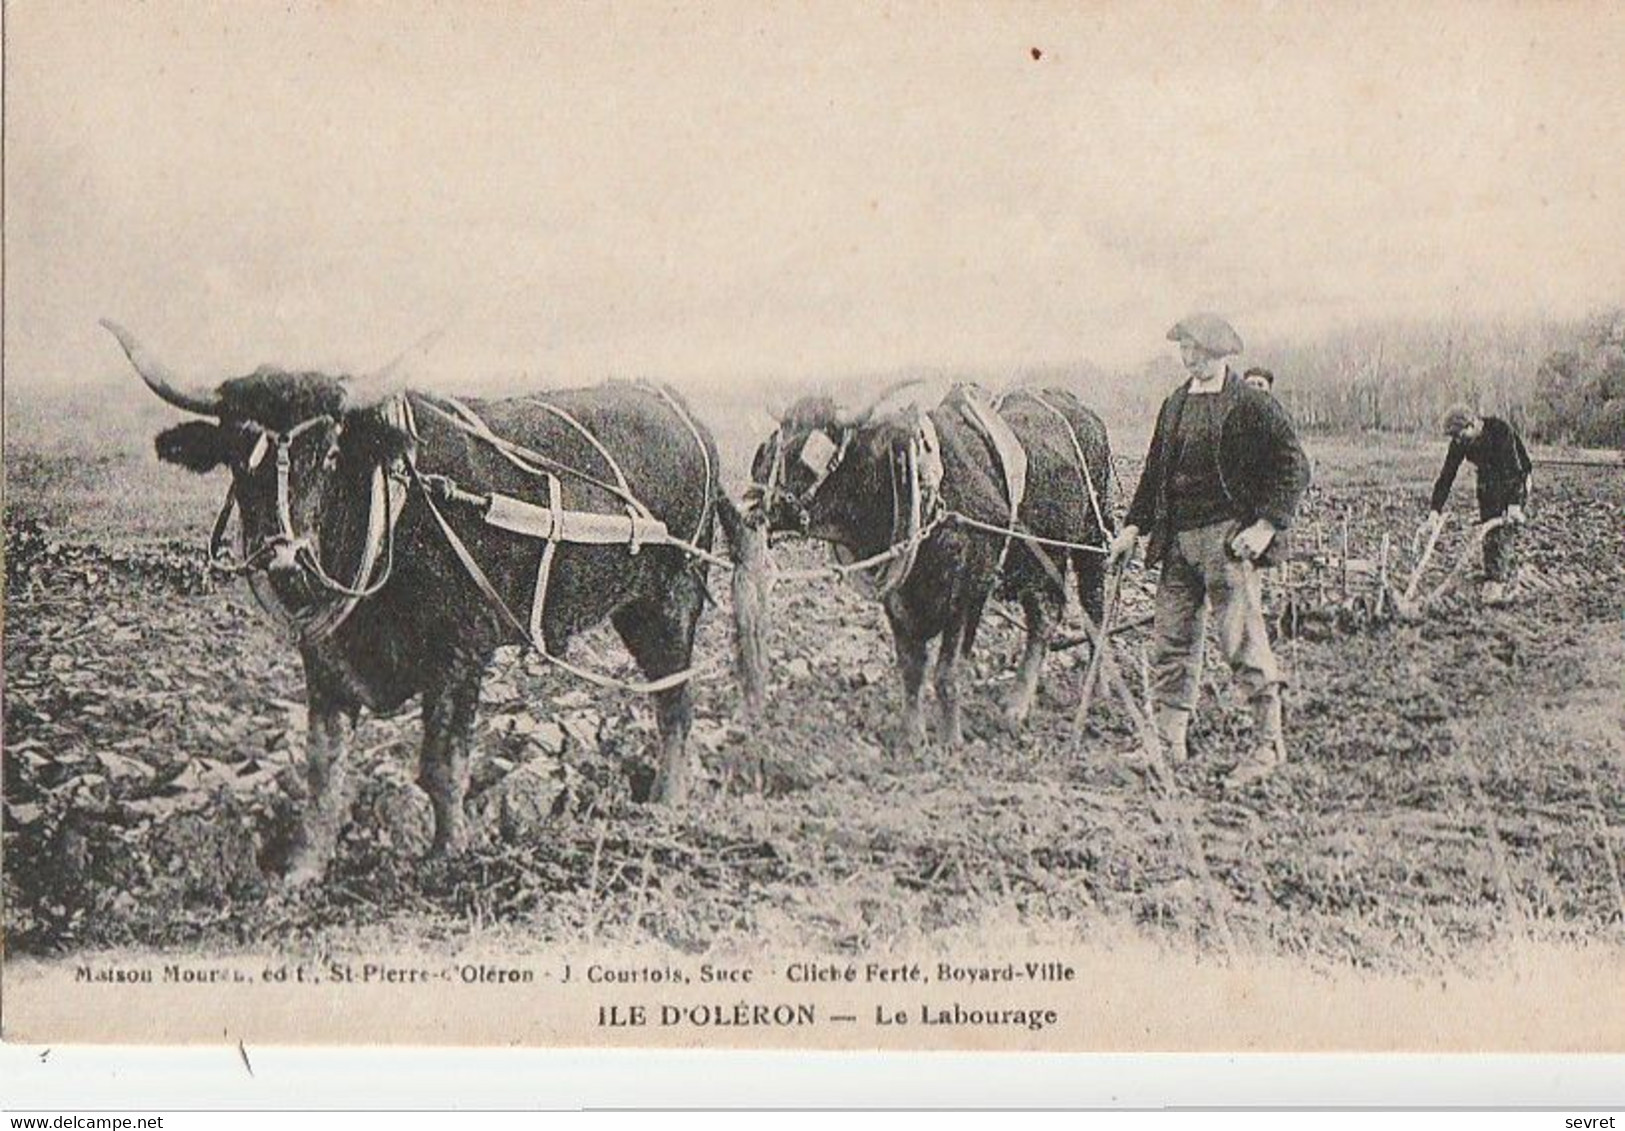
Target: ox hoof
[[669, 790], [450, 842], [910, 741], [1014, 718], [304, 872]]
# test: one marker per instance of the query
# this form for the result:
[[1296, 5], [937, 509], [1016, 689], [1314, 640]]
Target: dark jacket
[[1503, 468], [1261, 466]]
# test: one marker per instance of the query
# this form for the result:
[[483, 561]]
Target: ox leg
[[1091, 577], [973, 622], [1042, 611], [674, 713], [965, 604], [660, 637], [949, 654], [328, 783], [449, 707], [911, 658]]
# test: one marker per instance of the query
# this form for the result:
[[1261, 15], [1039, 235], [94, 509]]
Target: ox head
[[810, 441], [301, 448], [790, 463], [887, 469]]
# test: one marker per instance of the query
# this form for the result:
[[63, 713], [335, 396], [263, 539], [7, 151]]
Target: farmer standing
[[1496, 450], [1222, 481]]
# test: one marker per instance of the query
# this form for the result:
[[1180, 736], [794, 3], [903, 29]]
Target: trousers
[[1501, 553], [1199, 574]]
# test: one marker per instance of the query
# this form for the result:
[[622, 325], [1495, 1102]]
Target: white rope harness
[[1083, 464], [308, 626], [902, 553], [914, 500], [553, 524]]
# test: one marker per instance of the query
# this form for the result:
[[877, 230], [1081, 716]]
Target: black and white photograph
[[924, 526]]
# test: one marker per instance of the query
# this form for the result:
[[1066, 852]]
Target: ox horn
[[370, 388], [847, 419], [158, 378], [388, 371]]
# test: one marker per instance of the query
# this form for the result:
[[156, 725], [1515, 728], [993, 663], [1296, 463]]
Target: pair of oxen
[[367, 527]]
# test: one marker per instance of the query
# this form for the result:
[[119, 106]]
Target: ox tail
[[747, 546]]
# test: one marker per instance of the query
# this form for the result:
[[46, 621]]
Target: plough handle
[[1098, 637], [1422, 565]]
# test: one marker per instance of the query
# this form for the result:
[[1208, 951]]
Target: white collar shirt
[[1212, 383]]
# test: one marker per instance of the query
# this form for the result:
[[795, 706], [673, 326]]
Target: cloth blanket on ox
[[977, 407]]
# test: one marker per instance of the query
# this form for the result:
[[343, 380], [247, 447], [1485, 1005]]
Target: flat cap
[[1208, 332], [1458, 417]]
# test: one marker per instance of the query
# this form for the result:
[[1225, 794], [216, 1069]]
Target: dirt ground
[[1454, 783]]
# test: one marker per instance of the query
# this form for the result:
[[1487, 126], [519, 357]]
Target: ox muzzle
[[283, 551]]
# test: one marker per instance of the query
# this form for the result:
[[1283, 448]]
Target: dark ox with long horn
[[339, 538], [841, 476]]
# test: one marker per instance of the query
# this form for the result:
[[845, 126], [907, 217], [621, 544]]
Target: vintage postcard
[[1032, 526]]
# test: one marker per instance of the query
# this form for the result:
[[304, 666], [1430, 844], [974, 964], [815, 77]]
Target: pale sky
[[748, 191]]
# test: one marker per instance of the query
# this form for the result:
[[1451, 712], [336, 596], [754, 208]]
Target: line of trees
[[1558, 382], [1580, 392], [1402, 377]]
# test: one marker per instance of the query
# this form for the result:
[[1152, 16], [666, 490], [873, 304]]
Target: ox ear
[[761, 464], [197, 445], [904, 424]]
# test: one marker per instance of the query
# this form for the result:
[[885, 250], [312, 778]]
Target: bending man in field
[[1494, 447], [1222, 481]]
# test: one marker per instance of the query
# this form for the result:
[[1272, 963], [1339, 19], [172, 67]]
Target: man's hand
[[1427, 529], [1249, 545], [1122, 547], [1515, 514]]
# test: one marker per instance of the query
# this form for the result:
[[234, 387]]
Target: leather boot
[[1269, 744], [1172, 723]]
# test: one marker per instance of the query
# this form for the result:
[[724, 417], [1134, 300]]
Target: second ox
[[924, 501]]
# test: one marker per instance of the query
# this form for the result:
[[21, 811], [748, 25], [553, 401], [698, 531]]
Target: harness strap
[[217, 537], [312, 627], [1007, 451], [914, 493], [841, 571], [544, 570], [489, 592], [623, 488], [775, 469], [527, 460], [1083, 464], [705, 455], [1025, 536], [382, 498]]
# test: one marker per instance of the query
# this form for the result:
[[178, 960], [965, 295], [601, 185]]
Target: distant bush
[[1580, 393]]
